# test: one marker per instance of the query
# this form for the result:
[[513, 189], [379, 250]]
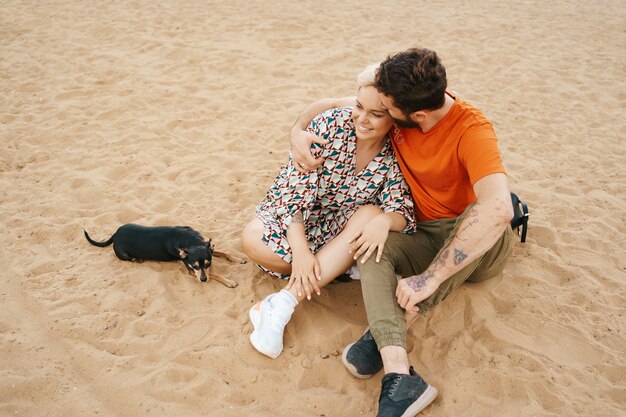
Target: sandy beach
[[178, 113]]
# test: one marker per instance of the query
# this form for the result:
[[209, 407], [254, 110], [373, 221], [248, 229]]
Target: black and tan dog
[[132, 242]]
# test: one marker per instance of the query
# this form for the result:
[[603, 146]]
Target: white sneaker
[[354, 273], [269, 322]]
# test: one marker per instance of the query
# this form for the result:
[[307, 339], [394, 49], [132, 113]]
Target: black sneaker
[[362, 358], [404, 395]]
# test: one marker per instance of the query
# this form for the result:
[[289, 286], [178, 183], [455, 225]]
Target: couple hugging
[[406, 181]]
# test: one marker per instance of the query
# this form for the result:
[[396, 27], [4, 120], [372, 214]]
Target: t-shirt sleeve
[[479, 152]]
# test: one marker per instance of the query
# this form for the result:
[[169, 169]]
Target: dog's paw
[[231, 284], [243, 261]]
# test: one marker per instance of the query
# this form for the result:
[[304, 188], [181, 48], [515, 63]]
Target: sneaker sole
[[259, 349], [351, 367], [422, 402]]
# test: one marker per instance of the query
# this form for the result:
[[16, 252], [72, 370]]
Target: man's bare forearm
[[319, 106], [478, 232]]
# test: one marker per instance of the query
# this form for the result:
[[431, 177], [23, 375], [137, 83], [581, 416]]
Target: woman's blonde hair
[[367, 77]]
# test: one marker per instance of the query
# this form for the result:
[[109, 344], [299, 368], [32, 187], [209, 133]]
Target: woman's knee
[[258, 251], [397, 253], [365, 213], [251, 239]]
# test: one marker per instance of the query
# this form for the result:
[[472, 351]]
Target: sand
[[168, 113]]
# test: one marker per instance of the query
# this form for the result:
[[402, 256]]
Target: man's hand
[[413, 290], [481, 227], [301, 142]]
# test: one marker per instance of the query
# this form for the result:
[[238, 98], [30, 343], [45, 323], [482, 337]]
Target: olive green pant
[[406, 255]]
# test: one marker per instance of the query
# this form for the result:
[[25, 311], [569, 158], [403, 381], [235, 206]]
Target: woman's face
[[371, 120]]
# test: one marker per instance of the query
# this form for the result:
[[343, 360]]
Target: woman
[[312, 227]]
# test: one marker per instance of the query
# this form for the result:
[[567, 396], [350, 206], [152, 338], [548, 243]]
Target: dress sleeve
[[395, 196], [298, 192], [294, 192], [333, 125]]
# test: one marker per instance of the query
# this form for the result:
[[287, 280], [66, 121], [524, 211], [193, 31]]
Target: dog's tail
[[100, 244]]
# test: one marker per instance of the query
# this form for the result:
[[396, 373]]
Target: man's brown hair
[[415, 79]]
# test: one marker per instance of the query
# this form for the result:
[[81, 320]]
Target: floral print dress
[[330, 195]]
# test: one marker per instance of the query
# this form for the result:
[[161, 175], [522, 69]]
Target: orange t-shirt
[[442, 164]]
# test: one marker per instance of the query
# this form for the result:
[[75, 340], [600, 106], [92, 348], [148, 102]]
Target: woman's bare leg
[[270, 317], [334, 258], [259, 252]]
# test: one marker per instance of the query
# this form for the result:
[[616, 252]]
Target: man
[[448, 153]]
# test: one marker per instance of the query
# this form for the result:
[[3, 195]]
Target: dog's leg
[[189, 270], [229, 283], [228, 257]]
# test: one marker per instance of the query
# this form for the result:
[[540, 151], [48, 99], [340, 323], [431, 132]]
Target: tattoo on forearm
[[470, 219], [441, 260], [468, 225], [420, 281], [459, 235], [459, 256]]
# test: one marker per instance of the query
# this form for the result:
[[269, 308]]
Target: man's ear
[[209, 244], [418, 116], [182, 253]]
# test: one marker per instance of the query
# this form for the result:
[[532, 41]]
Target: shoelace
[[277, 321], [389, 387]]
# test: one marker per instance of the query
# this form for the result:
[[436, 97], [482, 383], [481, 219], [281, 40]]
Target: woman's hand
[[370, 238], [305, 272], [301, 142]]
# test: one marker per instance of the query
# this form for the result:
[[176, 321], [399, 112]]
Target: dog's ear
[[209, 244], [182, 253]]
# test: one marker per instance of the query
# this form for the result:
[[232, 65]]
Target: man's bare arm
[[319, 106], [478, 232], [301, 140]]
